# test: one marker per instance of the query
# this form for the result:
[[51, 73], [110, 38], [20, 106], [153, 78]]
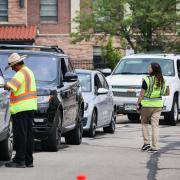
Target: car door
[[74, 86], [108, 100], [178, 71], [68, 95], [100, 102], [3, 103], [65, 93]]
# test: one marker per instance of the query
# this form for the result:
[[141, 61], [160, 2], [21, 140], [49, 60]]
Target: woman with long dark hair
[[150, 105]]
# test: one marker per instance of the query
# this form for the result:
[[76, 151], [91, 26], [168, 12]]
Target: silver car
[[99, 109], [6, 141]]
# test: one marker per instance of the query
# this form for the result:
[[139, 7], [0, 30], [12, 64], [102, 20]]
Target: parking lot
[[107, 157]]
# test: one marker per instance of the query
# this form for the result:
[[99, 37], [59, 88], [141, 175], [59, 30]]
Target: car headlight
[[85, 106], [43, 99]]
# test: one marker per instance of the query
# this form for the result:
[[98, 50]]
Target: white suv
[[126, 81]]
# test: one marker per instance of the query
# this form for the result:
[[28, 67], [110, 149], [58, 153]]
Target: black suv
[[5, 124], [60, 103]]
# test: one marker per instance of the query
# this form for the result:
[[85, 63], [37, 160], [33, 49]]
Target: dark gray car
[[60, 103]]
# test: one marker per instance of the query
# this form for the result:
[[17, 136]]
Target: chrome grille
[[124, 94], [126, 87]]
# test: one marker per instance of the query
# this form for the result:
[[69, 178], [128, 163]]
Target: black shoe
[[151, 150], [30, 165], [145, 147], [13, 164]]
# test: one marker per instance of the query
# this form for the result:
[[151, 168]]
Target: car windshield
[[140, 66], [44, 67], [85, 81]]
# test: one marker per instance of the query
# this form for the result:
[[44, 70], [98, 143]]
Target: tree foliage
[[109, 55], [144, 24]]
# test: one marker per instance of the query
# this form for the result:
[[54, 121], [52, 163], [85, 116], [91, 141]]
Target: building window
[[3, 10], [48, 10], [97, 60]]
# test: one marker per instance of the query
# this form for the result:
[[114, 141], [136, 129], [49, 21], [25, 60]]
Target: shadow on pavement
[[152, 164], [2, 163], [38, 147]]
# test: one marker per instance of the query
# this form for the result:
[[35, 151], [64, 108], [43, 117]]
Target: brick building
[[43, 22]]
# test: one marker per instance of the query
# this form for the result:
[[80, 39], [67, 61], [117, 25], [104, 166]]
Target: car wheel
[[133, 117], [112, 126], [92, 129], [6, 146], [172, 116], [54, 139], [74, 137]]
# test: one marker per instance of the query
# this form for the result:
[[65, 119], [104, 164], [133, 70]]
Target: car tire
[[6, 146], [92, 130], [54, 138], [112, 126], [74, 137], [133, 117], [172, 117]]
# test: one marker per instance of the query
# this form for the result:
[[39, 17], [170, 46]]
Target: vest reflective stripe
[[146, 98], [14, 83], [16, 99], [162, 90], [150, 89], [27, 80]]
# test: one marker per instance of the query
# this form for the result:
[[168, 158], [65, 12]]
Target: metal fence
[[88, 64]]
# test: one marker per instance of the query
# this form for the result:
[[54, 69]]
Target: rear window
[[43, 67]]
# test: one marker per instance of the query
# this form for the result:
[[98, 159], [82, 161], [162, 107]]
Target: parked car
[[126, 80], [99, 108], [6, 143], [60, 103]]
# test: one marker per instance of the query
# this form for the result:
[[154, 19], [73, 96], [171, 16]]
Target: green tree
[[143, 24], [110, 55]]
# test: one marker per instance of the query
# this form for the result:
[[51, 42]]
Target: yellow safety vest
[[153, 94], [23, 95]]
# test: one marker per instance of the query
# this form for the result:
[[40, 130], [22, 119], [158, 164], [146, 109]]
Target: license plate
[[38, 120], [131, 107]]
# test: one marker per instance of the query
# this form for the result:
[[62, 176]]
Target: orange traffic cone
[[81, 177]]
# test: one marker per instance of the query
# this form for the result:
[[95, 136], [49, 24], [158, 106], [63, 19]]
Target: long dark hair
[[157, 72]]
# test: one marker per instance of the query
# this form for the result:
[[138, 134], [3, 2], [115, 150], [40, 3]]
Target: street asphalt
[[107, 157]]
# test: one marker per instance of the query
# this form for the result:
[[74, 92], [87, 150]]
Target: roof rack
[[41, 48]]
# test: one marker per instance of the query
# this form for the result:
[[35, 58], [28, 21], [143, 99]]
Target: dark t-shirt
[[144, 85]]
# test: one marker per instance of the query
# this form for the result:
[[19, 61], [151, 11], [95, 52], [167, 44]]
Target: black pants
[[23, 136]]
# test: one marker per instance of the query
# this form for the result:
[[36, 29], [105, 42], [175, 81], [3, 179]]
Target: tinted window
[[43, 67], [103, 81], [140, 66], [85, 81]]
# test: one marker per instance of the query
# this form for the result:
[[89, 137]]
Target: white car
[[99, 109], [126, 81]]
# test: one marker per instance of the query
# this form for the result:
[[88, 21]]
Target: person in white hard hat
[[23, 103]]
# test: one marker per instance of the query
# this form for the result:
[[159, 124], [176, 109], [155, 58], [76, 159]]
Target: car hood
[[45, 88], [125, 80], [132, 80]]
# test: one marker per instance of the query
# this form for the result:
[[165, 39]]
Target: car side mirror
[[70, 77], [106, 72], [102, 91]]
